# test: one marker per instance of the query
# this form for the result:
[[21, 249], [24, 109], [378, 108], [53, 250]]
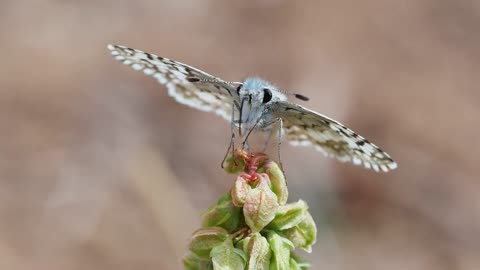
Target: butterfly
[[255, 104]]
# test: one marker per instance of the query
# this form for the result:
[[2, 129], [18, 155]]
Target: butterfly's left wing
[[306, 127], [186, 84]]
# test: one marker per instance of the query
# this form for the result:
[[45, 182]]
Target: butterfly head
[[255, 95], [259, 92]]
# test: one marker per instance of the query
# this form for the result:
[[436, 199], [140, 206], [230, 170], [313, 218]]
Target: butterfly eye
[[267, 95], [238, 89]]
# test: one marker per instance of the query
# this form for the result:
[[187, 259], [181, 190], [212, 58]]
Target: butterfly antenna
[[299, 96]]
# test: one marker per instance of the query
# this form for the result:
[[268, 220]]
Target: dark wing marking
[[186, 84], [305, 127]]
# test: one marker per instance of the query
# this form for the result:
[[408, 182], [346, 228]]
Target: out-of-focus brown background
[[100, 169]]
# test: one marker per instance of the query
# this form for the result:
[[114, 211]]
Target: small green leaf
[[227, 257], [203, 240], [242, 244], [193, 262], [300, 261], [294, 265], [223, 214], [304, 235], [289, 215], [277, 178], [281, 248], [259, 253]]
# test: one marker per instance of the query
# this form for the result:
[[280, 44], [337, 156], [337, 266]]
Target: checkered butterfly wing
[[186, 84], [305, 127]]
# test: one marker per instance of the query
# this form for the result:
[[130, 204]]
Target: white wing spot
[[137, 66], [148, 71]]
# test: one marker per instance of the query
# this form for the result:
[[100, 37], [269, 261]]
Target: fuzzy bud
[[289, 215], [299, 262], [260, 205], [277, 178], [203, 240], [259, 253], [243, 244], [193, 262], [239, 191], [280, 247], [234, 163], [304, 234], [223, 214], [227, 257]]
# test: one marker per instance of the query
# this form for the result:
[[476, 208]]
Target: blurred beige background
[[100, 169]]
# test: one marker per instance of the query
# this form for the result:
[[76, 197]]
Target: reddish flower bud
[[239, 191], [260, 205]]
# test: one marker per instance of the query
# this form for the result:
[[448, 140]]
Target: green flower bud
[[203, 240], [299, 261], [259, 253], [267, 231], [234, 163], [277, 178], [280, 247], [193, 262], [239, 191], [227, 257], [294, 265], [260, 205], [223, 214], [304, 234], [243, 244], [289, 215]]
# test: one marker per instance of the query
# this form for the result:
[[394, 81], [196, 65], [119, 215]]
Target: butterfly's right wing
[[186, 84], [306, 127]]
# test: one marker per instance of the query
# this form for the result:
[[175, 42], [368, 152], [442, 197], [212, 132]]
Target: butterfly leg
[[275, 128], [267, 140], [245, 143], [279, 139], [231, 146]]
